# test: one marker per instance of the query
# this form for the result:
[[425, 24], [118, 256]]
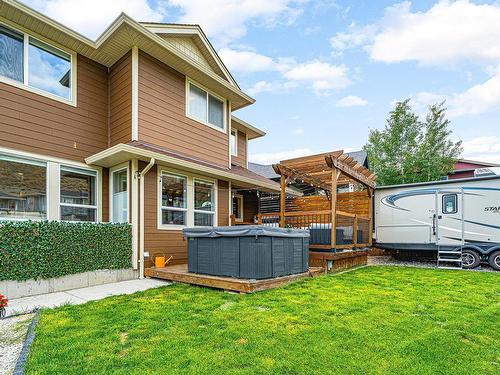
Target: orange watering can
[[161, 261]]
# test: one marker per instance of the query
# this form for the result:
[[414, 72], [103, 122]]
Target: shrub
[[46, 249]]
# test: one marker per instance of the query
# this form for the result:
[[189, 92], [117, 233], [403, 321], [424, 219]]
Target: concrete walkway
[[82, 295]]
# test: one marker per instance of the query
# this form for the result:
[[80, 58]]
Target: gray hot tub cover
[[244, 231]]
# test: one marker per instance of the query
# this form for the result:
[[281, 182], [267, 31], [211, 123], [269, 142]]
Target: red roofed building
[[465, 168]]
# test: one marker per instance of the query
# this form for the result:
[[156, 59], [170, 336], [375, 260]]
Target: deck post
[[334, 207], [370, 215], [355, 231], [282, 201]]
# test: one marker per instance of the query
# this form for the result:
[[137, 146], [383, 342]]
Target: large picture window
[[23, 189], [173, 199], [205, 107], [204, 203], [78, 194], [48, 68]]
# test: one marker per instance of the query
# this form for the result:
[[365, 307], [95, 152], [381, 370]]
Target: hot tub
[[247, 252]]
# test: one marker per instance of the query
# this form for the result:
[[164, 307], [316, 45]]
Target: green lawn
[[372, 320]]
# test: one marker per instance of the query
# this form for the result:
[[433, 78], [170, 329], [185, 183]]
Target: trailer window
[[450, 204]]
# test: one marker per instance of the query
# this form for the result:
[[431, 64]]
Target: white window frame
[[98, 187], [25, 84], [235, 131], [30, 161], [214, 212], [160, 207], [189, 196], [118, 168], [242, 202], [190, 82]]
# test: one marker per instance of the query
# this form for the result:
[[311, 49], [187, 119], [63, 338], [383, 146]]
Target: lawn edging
[[25, 351]]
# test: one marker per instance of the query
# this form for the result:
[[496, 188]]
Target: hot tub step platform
[[179, 273]]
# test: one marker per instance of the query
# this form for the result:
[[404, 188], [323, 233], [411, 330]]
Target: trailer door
[[448, 218]]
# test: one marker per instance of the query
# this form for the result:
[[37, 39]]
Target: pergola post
[[282, 201], [334, 207]]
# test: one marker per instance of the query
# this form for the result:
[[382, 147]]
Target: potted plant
[[3, 304]]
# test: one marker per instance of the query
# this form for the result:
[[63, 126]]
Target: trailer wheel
[[470, 259], [494, 260]]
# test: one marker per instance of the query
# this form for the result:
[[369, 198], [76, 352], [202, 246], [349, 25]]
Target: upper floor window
[[35, 64], [205, 107], [234, 143]]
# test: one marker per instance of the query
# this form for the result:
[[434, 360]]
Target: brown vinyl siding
[[120, 90], [159, 242], [34, 123], [163, 120], [223, 203], [171, 242], [241, 158]]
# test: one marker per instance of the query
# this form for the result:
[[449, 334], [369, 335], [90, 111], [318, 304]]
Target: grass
[[375, 320]]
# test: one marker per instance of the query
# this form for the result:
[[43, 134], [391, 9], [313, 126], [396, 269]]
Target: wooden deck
[[340, 261], [180, 274]]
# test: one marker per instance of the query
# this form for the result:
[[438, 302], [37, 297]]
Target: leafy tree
[[410, 150]]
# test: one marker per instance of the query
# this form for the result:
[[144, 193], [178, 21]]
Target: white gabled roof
[[119, 38], [179, 34]]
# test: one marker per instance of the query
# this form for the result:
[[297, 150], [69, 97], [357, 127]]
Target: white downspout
[[141, 208]]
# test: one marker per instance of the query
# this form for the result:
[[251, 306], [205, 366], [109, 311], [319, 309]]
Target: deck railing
[[351, 230]]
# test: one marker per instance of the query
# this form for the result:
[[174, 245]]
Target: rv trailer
[[459, 220]]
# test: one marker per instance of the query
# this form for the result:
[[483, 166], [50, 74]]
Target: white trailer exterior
[[448, 215]]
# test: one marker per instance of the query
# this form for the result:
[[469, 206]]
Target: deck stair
[[449, 259]]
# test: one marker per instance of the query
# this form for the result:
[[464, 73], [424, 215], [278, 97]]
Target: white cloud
[[83, 17], [246, 61], [298, 131], [227, 20], [483, 149], [321, 76], [449, 32], [275, 157], [273, 87], [478, 99], [351, 101]]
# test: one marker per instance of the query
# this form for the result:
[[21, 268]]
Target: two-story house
[[134, 127]]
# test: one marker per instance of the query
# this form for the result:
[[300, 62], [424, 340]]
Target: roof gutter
[[132, 151]]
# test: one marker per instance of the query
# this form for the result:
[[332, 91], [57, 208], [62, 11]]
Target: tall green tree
[[409, 150]]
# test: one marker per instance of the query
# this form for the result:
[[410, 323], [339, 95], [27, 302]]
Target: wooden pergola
[[326, 172]]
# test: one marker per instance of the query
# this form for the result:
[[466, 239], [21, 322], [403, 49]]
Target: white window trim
[[98, 187], [53, 179], [25, 84], [118, 168], [160, 207], [238, 196], [189, 196], [209, 92], [235, 131], [31, 161], [213, 213]]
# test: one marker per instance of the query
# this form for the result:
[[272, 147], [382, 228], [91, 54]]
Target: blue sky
[[324, 72]]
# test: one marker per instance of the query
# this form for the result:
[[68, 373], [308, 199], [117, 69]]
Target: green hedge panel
[[46, 249]]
